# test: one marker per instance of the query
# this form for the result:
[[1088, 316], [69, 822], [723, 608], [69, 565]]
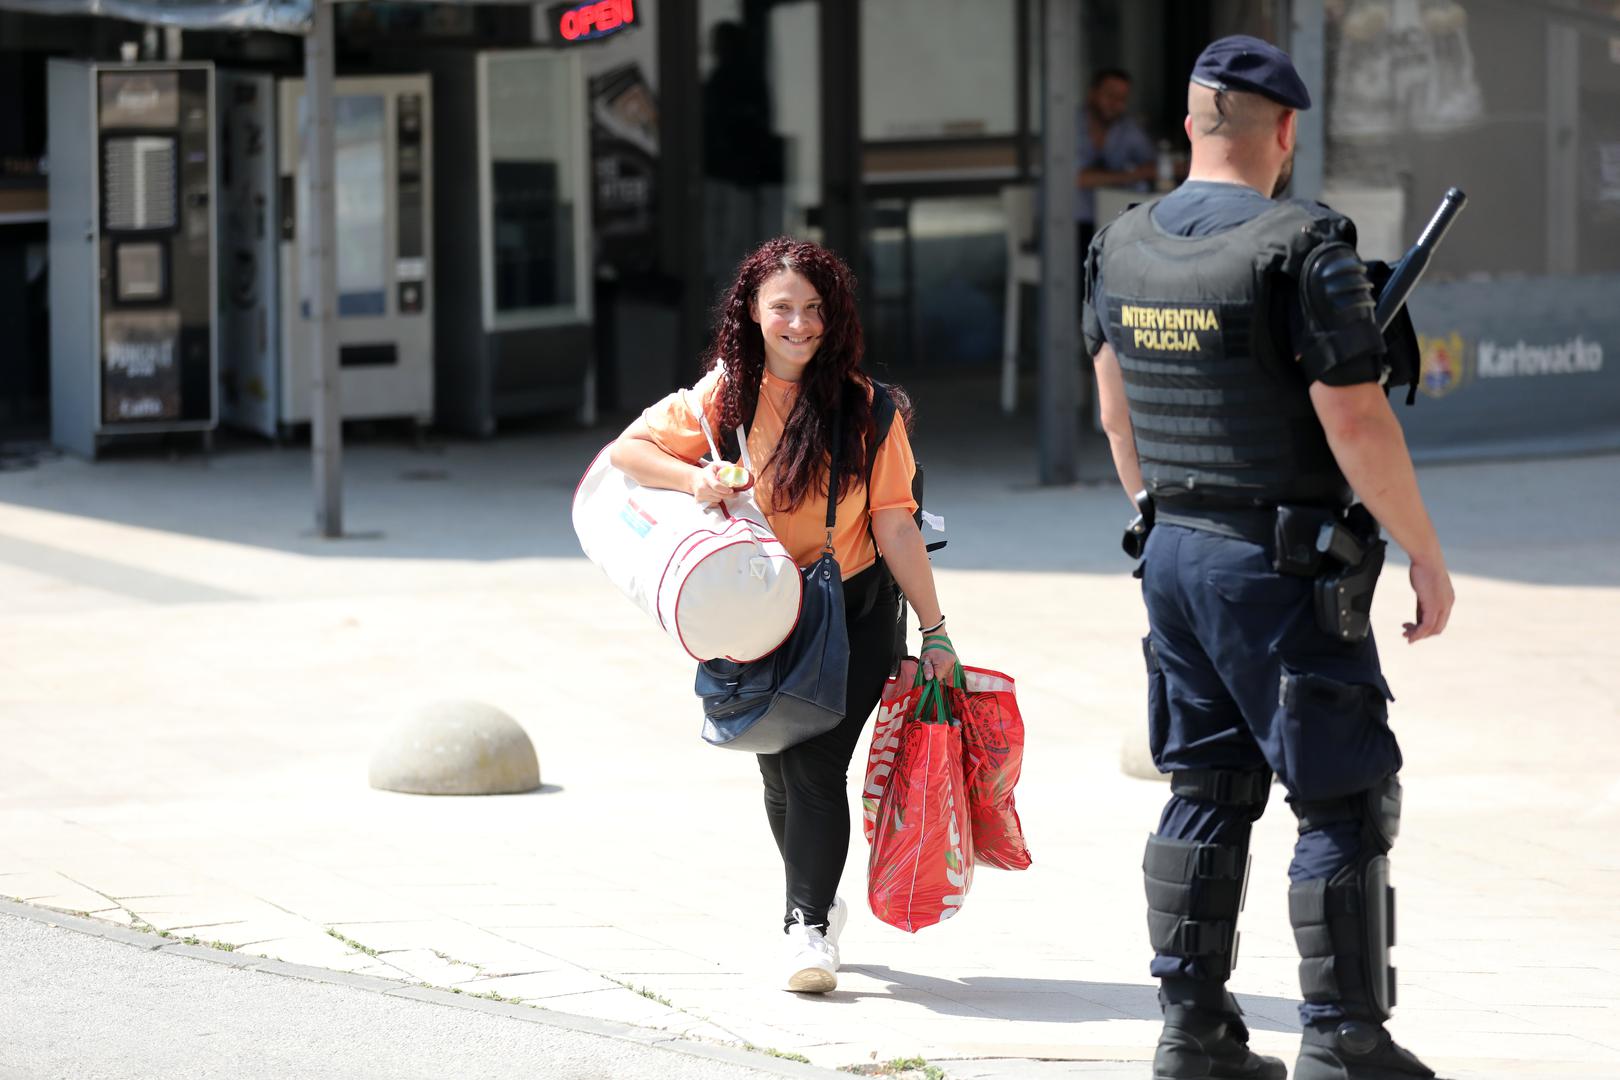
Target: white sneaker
[[837, 916], [812, 960]]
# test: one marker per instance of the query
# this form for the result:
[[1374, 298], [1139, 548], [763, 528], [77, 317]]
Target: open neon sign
[[586, 22]]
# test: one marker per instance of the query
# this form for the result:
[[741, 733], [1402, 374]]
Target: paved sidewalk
[[190, 688]]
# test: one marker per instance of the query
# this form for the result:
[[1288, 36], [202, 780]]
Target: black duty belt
[[1257, 526]]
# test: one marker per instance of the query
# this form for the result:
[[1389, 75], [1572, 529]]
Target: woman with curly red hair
[[786, 360]]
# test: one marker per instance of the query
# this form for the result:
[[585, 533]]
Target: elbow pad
[[1337, 296]]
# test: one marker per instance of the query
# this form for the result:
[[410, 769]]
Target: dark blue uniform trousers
[[1240, 677]]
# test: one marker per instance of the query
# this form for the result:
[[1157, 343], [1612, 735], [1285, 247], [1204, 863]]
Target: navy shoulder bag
[[798, 691]]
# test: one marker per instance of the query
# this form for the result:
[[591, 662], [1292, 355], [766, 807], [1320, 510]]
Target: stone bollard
[[1135, 759], [457, 748]]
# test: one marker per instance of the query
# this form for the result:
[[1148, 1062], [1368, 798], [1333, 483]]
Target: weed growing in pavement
[[643, 991], [771, 1051], [138, 923], [192, 939], [353, 944], [487, 995], [447, 958], [912, 1068]]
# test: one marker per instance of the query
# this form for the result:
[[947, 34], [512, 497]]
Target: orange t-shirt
[[673, 424]]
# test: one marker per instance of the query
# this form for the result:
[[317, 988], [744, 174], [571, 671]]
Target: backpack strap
[[832, 477], [883, 411]]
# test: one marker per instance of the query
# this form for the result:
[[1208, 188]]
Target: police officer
[[1241, 372]]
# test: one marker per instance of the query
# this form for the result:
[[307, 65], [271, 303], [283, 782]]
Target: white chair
[[1023, 268]]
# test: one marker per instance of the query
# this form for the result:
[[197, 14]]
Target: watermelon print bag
[[993, 758]]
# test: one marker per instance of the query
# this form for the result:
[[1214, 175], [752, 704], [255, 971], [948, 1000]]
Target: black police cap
[[1241, 62]]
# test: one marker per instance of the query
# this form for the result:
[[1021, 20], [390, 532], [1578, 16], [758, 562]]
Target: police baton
[[1404, 278]]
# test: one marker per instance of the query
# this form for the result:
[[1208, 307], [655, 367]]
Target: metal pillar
[[1563, 147], [1307, 45], [1058, 415], [843, 185], [680, 181], [320, 272]]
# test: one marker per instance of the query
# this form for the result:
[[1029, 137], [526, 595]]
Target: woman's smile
[[789, 312]]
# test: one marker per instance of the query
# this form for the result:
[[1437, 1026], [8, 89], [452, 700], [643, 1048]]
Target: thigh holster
[[1344, 925], [1195, 891]]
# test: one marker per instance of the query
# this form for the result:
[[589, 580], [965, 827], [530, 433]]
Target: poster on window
[[624, 168], [1400, 66]]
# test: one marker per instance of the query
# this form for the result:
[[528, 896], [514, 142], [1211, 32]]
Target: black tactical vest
[[1220, 410]]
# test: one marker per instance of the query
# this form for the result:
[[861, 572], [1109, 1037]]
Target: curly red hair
[[832, 379]]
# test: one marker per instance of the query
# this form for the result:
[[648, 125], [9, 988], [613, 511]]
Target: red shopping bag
[[921, 864], [993, 757]]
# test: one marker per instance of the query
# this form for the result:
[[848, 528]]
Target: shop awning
[[279, 16], [282, 16]]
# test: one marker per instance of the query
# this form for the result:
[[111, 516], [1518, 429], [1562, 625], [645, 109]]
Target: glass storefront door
[[533, 215], [943, 119]]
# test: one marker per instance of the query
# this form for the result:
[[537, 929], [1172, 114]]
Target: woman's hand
[[939, 658], [707, 488]]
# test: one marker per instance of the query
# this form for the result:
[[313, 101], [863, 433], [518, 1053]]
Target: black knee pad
[[1345, 925], [1195, 891]]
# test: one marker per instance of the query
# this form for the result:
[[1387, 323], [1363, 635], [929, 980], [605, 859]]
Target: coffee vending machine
[[132, 249]]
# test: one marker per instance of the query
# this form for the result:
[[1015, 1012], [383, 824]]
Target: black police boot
[[1355, 1050], [1199, 1045]]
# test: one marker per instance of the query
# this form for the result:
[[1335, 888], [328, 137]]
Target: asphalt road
[[81, 1007]]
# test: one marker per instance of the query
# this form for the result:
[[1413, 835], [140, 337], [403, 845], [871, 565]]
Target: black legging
[[806, 785]]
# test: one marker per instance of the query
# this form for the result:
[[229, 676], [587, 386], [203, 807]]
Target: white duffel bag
[[716, 579]]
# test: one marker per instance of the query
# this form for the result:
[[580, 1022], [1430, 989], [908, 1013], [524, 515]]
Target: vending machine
[[384, 241], [249, 247], [132, 247]]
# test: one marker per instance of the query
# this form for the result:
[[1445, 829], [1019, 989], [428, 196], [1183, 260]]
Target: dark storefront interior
[[771, 116], [899, 132]]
